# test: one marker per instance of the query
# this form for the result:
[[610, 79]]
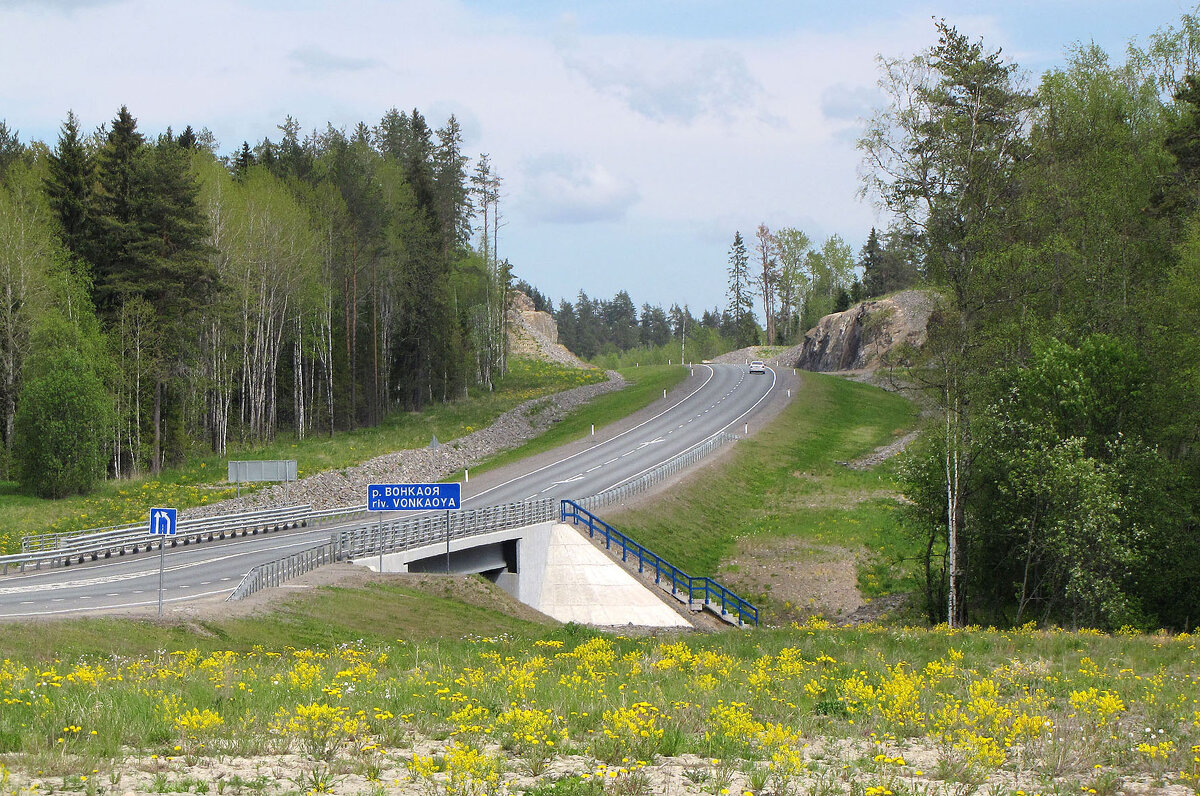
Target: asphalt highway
[[718, 398]]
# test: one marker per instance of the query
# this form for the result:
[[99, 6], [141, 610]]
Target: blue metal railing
[[707, 590]]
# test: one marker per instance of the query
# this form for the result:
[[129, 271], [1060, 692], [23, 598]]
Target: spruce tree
[[871, 261], [116, 231], [68, 187], [11, 148], [187, 139], [452, 187], [741, 299]]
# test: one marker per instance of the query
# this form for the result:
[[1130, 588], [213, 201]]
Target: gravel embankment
[[348, 487]]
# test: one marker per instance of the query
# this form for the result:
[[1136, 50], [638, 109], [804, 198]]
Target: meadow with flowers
[[810, 709]]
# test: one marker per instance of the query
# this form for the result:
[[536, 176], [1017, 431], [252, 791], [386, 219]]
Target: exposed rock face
[[535, 334], [869, 334]]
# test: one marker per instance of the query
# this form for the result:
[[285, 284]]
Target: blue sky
[[634, 136]]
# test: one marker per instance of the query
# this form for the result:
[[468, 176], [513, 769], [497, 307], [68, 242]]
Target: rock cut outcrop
[[868, 335], [534, 334]]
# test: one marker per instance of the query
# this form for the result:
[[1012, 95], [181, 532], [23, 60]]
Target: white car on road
[[758, 366]]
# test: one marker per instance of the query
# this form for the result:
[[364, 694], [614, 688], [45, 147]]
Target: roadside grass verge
[[396, 700], [202, 479], [432, 608], [645, 386], [786, 481]]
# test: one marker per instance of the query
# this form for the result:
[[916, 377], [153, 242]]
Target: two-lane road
[[716, 399]]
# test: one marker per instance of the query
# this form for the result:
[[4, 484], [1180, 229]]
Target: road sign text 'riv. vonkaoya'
[[413, 497]]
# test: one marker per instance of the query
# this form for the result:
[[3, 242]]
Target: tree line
[[593, 327], [792, 283], [1060, 224], [786, 280], [159, 296]]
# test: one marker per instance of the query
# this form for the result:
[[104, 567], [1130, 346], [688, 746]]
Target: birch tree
[[28, 252], [940, 157], [767, 276]]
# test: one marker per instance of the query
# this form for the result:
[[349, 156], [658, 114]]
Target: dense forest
[[159, 296], [785, 279], [1060, 224]]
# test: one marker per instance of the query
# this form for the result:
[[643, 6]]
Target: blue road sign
[[413, 497], [162, 521]]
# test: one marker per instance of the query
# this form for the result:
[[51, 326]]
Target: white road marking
[[736, 420], [711, 374], [84, 582], [111, 607]]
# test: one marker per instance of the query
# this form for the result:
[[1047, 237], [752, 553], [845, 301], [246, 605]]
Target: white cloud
[[611, 133], [676, 82], [62, 6], [562, 189], [841, 102], [318, 61]]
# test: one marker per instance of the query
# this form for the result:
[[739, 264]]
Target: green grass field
[[786, 481], [455, 698]]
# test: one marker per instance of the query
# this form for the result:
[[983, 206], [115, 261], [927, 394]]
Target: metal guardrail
[[390, 536], [371, 538], [705, 590], [134, 538], [189, 528], [657, 474], [341, 512], [273, 573]]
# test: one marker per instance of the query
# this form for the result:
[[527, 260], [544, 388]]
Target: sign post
[[414, 497], [162, 523]]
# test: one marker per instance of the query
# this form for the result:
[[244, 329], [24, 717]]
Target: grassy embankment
[[786, 482], [202, 479], [646, 385], [104, 706]]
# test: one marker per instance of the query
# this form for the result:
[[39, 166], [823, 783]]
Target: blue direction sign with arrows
[[413, 497], [162, 521]]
